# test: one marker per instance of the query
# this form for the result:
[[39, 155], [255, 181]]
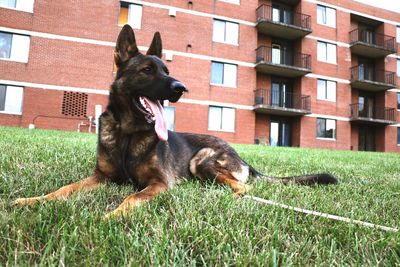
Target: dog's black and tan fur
[[129, 150]]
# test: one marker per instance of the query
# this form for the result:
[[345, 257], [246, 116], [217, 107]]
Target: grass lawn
[[195, 224]]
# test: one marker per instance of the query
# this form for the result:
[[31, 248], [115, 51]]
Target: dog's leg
[[136, 199], [238, 187], [89, 183]]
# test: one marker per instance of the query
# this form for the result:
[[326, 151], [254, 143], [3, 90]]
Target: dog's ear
[[156, 46], [126, 46]]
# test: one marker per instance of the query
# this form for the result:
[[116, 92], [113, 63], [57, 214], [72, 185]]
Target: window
[[398, 34], [326, 52], [170, 117], [11, 99], [326, 128], [326, 16], [326, 90], [398, 101], [225, 32], [130, 14], [398, 67], [398, 135], [23, 5], [223, 74], [14, 47], [221, 119]]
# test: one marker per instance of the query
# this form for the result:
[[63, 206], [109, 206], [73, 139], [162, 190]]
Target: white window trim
[[11, 113], [326, 139], [223, 85], [230, 2]]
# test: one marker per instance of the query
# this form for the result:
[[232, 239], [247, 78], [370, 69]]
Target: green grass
[[195, 224]]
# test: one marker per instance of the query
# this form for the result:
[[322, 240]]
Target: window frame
[[398, 136], [221, 127], [324, 20], [18, 41], [21, 100], [324, 137], [398, 68], [326, 56], [326, 88], [398, 33], [19, 6], [225, 38], [398, 101], [224, 83]]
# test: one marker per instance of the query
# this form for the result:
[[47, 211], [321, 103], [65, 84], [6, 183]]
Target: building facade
[[307, 73]]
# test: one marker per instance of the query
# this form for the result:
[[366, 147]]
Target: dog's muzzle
[[178, 87]]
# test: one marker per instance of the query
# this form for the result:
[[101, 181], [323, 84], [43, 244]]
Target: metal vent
[[74, 104]]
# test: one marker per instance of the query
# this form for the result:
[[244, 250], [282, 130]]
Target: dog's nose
[[178, 87]]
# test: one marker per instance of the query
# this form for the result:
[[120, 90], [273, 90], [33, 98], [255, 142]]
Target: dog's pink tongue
[[161, 123]]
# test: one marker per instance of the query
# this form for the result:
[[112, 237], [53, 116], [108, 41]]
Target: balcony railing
[[363, 111], [371, 38], [282, 57], [266, 12], [363, 73], [280, 99]]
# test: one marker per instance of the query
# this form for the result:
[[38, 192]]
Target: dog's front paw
[[243, 190], [26, 201]]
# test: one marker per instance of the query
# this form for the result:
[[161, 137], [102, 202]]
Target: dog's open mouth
[[154, 112]]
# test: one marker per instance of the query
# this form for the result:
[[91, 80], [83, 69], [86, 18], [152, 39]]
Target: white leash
[[321, 214]]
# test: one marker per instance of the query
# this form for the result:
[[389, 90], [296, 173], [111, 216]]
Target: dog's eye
[[147, 70]]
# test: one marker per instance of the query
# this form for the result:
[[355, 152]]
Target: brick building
[[302, 73]]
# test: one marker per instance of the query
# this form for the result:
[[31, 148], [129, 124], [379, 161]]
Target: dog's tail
[[308, 179]]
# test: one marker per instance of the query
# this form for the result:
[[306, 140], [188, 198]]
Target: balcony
[[282, 23], [366, 78], [369, 44], [280, 103], [282, 62], [361, 113]]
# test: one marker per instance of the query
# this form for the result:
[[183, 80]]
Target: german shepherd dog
[[134, 146]]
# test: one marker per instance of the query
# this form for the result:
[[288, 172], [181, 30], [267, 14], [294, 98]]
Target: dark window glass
[[398, 135], [5, 44], [326, 128], [3, 91]]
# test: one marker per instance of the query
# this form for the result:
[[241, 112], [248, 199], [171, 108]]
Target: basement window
[[130, 14], [74, 104], [11, 99]]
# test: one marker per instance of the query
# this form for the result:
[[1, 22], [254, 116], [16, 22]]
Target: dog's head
[[143, 80]]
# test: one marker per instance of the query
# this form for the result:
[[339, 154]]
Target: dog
[[134, 146]]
